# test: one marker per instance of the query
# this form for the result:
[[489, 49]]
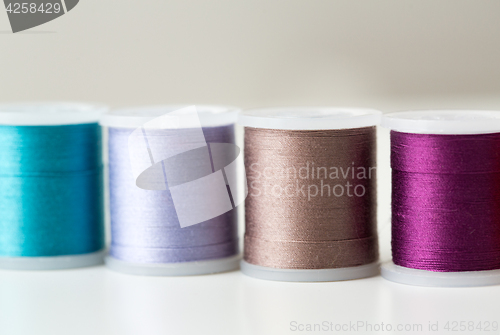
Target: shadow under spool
[[311, 207]]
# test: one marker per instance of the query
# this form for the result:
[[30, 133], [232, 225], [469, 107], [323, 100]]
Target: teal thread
[[51, 190]]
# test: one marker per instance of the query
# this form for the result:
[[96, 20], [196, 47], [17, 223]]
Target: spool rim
[[192, 268], [133, 117], [309, 118], [45, 263], [446, 121], [417, 277], [310, 275], [49, 113]]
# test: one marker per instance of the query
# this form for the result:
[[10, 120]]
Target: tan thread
[[293, 231]]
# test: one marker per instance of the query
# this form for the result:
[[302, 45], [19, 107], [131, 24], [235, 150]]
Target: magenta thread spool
[[445, 198]]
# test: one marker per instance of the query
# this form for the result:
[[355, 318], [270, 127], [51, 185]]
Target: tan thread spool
[[311, 208]]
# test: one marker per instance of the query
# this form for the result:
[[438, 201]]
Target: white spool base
[[52, 263], [315, 275], [174, 269], [416, 277]]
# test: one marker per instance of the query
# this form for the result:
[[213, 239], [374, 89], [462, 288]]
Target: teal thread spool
[[51, 187]]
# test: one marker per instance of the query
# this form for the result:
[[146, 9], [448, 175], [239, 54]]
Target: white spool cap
[[210, 116], [310, 118], [49, 113], [444, 122]]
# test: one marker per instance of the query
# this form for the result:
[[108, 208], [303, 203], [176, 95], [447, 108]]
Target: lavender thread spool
[[438, 230], [147, 238]]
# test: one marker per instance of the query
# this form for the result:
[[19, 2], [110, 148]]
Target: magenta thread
[[446, 201]]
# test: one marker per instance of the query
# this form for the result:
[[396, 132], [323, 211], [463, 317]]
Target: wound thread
[[446, 201], [51, 192], [312, 198], [144, 224]]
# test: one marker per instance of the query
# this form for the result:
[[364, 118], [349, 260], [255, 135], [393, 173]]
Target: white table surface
[[98, 301]]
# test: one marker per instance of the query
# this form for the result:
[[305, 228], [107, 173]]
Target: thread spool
[[146, 233], [292, 237], [446, 195], [51, 195]]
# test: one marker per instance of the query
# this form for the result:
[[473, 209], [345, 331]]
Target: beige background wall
[[387, 54]]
